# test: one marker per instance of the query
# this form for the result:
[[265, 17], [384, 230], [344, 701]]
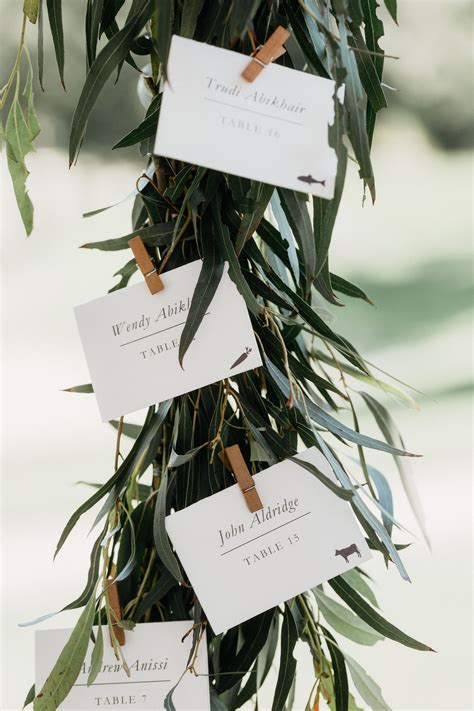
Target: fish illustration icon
[[241, 357], [309, 179]]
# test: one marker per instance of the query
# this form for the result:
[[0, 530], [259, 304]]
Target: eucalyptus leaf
[[287, 669], [372, 617], [346, 622], [96, 656], [366, 686], [160, 536], [209, 279], [31, 9], [68, 666], [108, 59], [56, 25]]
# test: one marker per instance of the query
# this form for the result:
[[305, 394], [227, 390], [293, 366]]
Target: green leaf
[[368, 72], [29, 697], [241, 15], [18, 141], [209, 279], [97, 656], [341, 684], [345, 494], [346, 287], [189, 16], [31, 9], [135, 463], [164, 584], [87, 388], [108, 59], [56, 25], [255, 633], [374, 31], [287, 669], [392, 436], [158, 235], [318, 415], [345, 622], [128, 429], [160, 536], [216, 703], [164, 31], [31, 117], [40, 44], [125, 274], [391, 6], [68, 666], [235, 272], [260, 195], [146, 129], [296, 210], [354, 100], [366, 686], [359, 582], [372, 617], [93, 18]]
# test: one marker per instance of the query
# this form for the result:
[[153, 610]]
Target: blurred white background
[[411, 253]]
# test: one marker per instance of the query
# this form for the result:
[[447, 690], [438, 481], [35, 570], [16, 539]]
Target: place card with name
[[241, 564], [131, 341], [156, 655], [274, 130]]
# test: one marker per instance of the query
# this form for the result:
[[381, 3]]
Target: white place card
[[274, 130], [241, 564], [131, 340], [156, 655]]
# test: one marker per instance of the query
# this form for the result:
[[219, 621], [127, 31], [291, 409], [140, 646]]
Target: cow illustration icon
[[346, 552]]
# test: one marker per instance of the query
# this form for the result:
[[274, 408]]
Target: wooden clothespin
[[272, 49], [114, 602], [145, 265], [233, 459]]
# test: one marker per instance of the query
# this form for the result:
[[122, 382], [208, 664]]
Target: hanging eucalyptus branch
[[279, 259]]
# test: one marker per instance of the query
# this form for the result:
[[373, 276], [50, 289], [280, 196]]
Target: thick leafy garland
[[278, 258]]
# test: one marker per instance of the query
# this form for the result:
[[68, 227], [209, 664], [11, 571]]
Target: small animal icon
[[346, 552], [241, 358], [309, 179]]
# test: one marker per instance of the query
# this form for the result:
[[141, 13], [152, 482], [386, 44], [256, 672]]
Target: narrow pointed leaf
[[287, 669], [345, 622], [57, 32], [107, 61], [209, 279], [68, 666], [372, 617]]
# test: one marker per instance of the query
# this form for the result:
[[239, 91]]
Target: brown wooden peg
[[145, 265], [272, 49], [233, 459], [114, 602]]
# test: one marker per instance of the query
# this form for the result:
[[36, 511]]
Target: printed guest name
[[287, 506], [136, 666], [142, 323], [257, 98]]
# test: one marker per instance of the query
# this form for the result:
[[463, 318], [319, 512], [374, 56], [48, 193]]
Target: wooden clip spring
[[114, 603], [233, 459], [272, 49], [145, 265]]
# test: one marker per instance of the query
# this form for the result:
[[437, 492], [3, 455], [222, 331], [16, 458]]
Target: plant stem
[[6, 89]]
